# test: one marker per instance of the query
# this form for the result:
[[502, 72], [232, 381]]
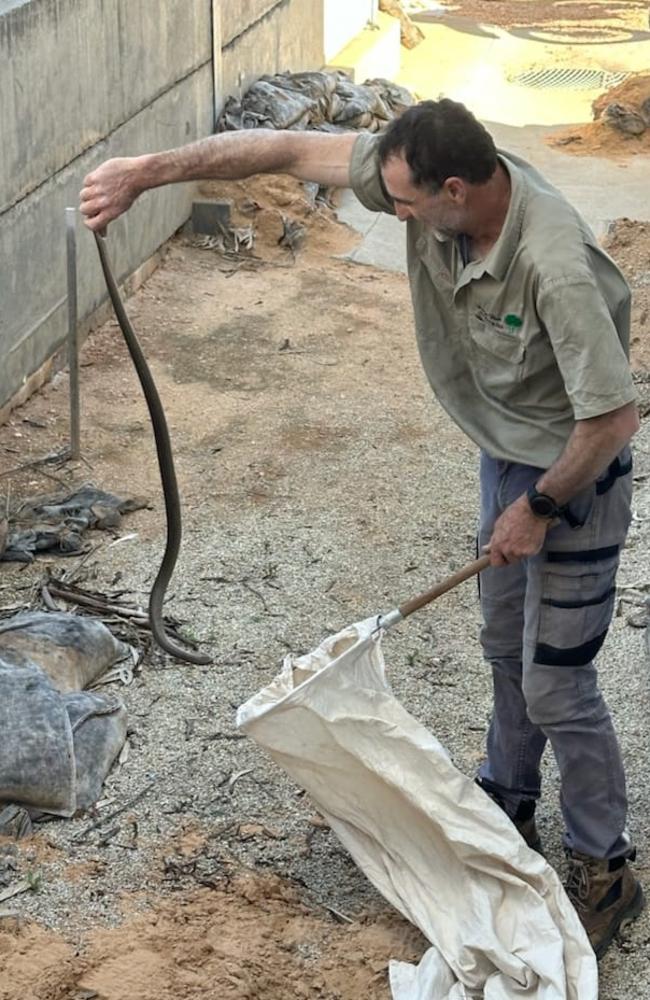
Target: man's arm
[[593, 444], [112, 188]]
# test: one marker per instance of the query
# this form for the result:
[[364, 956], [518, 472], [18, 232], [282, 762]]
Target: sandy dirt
[[250, 936], [588, 18], [632, 93], [629, 244], [600, 138], [236, 933]]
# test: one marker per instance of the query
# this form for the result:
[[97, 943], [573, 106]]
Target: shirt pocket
[[499, 356]]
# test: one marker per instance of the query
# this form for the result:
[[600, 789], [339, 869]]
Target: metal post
[[73, 347], [217, 62]]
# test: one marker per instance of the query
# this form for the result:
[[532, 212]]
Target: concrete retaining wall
[[82, 80], [270, 36]]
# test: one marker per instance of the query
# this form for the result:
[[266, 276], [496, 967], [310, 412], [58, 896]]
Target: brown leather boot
[[524, 818], [606, 896], [528, 830]]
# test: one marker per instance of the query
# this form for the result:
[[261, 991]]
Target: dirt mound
[[628, 243], [601, 137], [263, 202], [253, 937], [631, 93]]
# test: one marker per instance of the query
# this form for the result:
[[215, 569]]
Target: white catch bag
[[435, 846]]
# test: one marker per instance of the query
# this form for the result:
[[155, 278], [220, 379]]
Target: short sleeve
[[365, 176], [586, 344]]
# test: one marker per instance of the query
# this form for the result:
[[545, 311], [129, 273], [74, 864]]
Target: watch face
[[542, 506]]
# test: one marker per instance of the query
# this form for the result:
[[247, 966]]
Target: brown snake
[[165, 464]]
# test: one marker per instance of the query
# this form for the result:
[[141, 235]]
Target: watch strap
[[543, 505]]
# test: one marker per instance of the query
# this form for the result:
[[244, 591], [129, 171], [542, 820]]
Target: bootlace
[[577, 884]]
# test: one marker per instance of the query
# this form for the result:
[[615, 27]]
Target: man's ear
[[456, 189]]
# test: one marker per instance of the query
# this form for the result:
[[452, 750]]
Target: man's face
[[442, 210]]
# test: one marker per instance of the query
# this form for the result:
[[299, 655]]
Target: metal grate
[[568, 79]]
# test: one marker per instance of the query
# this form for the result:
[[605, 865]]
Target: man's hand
[[109, 191], [517, 533]]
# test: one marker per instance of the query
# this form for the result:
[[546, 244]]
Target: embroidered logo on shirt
[[508, 324], [483, 316]]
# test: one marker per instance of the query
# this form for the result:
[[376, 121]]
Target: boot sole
[[626, 917]]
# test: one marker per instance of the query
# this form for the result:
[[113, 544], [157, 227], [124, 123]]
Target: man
[[523, 325]]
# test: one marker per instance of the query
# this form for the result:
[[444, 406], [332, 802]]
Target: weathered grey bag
[[56, 522], [72, 651], [56, 749], [58, 742], [327, 101]]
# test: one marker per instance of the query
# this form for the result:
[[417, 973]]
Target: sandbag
[[56, 748], [317, 86], [359, 102], [430, 840], [270, 106], [328, 101], [73, 651], [37, 762], [56, 523], [58, 741], [397, 98], [98, 723]]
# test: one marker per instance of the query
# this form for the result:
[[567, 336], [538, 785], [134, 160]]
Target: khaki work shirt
[[521, 344]]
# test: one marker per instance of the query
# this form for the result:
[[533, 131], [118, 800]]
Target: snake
[[165, 465]]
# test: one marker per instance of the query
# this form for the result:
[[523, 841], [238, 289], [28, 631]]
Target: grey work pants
[[545, 618]]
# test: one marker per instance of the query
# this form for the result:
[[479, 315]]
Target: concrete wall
[[82, 80], [270, 36]]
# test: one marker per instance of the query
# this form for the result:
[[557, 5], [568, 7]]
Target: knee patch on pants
[[556, 695]]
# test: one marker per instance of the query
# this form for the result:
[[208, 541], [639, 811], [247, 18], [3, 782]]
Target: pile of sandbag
[[55, 523], [326, 101], [59, 741]]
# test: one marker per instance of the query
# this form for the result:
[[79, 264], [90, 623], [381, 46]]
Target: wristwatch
[[542, 505]]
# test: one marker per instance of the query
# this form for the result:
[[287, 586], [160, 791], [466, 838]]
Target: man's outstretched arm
[[112, 188]]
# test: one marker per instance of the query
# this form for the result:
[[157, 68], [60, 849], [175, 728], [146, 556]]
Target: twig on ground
[[24, 885], [51, 459], [135, 620], [232, 779], [246, 585], [111, 815], [72, 574]]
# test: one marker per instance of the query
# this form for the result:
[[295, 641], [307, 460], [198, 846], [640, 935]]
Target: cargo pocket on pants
[[575, 611]]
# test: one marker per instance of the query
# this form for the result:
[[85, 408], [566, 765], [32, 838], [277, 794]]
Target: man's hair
[[440, 139]]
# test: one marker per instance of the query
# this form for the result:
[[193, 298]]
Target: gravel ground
[[333, 487]]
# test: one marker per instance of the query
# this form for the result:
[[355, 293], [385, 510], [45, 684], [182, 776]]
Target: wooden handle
[[471, 569]]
